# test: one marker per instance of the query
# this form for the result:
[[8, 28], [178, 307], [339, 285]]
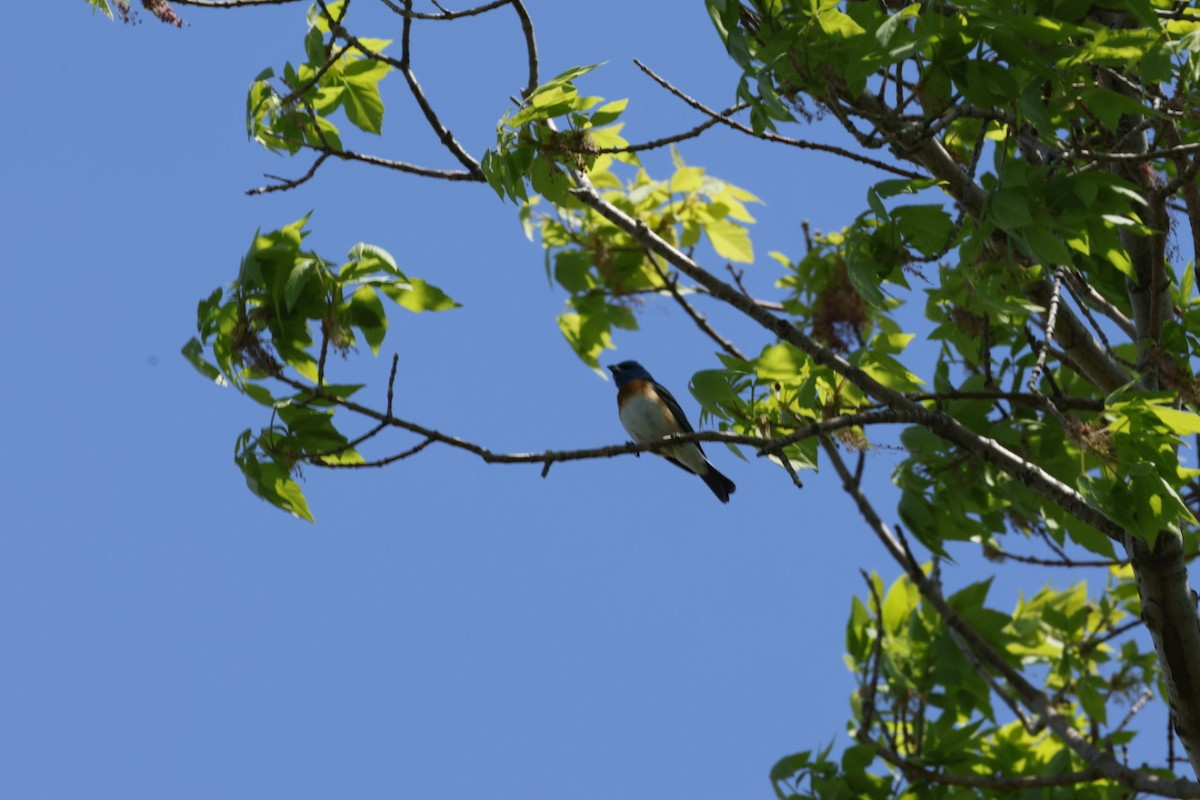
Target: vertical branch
[[531, 52], [869, 690], [404, 65]]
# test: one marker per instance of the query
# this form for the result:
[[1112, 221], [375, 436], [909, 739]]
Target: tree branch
[[700, 320], [445, 15], [997, 783], [231, 3], [402, 65], [290, 183], [764, 446], [773, 137], [399, 166]]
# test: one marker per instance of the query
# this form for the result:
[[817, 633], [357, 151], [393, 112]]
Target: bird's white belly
[[648, 421]]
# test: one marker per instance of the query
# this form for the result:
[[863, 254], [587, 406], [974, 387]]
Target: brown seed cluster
[[839, 313], [159, 8]]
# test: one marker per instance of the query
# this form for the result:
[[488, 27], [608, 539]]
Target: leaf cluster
[[286, 112], [287, 309]]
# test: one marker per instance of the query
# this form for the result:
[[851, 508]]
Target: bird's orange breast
[[632, 389]]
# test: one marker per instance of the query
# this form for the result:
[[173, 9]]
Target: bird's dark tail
[[721, 486]]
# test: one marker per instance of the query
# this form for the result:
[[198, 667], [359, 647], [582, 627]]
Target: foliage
[[262, 331], [1023, 244]]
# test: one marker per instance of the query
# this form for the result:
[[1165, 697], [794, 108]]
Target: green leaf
[[361, 100], [193, 352], [288, 496], [1110, 106], [102, 6], [894, 24], [1179, 422], [714, 391], [316, 16], [368, 258], [784, 363], [1009, 208], [273, 482], [608, 112], [835, 23], [297, 281], [789, 766], [896, 186], [925, 227], [366, 313], [571, 269], [730, 240], [314, 47], [417, 295], [588, 329], [899, 603], [259, 394], [1046, 247]]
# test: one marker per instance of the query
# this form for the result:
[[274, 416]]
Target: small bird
[[649, 412]]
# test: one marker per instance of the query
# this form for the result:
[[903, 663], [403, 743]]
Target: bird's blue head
[[628, 371]]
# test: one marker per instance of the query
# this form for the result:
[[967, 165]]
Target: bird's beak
[[612, 369]]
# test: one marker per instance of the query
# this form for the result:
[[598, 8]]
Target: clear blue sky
[[446, 628]]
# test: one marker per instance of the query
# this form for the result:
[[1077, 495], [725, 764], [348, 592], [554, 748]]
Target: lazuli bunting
[[649, 412]]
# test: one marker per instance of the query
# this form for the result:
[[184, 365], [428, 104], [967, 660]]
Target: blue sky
[[446, 627]]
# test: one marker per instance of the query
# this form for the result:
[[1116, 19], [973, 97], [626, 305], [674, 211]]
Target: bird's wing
[[673, 405]]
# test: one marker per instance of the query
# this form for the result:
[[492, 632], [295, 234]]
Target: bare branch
[[290, 183], [666, 140], [402, 66], [765, 446], [773, 137], [1004, 555], [399, 166], [700, 320], [531, 52], [446, 15], [1135, 157], [231, 3]]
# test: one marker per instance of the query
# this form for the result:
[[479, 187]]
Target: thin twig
[[399, 166], [445, 15], [1113, 633], [231, 3], [654, 144], [402, 65], [774, 137], [1004, 555], [1145, 697], [380, 462], [700, 320], [290, 183]]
